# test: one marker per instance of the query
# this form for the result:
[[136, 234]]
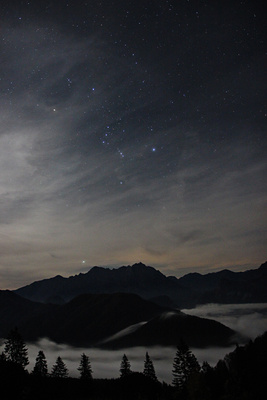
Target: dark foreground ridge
[[94, 319], [241, 375], [192, 289]]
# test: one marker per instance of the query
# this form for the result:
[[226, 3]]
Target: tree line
[[241, 375], [185, 363]]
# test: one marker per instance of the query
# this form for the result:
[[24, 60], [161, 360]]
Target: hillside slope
[[169, 328]]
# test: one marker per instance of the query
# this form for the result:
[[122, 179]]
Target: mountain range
[[188, 291], [129, 306], [108, 320]]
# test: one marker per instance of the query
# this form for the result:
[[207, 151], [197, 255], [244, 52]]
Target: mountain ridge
[[217, 287], [140, 279], [90, 319]]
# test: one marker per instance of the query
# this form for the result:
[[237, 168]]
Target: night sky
[[131, 131]]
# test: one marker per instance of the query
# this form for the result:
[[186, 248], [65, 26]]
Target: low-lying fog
[[106, 363], [248, 319]]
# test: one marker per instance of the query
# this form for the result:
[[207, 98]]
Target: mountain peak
[[139, 265]]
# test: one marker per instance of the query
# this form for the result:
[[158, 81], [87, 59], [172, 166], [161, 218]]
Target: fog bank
[[248, 319], [106, 363]]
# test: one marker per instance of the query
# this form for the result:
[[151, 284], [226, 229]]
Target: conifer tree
[[206, 368], [125, 368], [59, 370], [184, 366], [85, 367], [149, 369], [40, 367], [15, 349]]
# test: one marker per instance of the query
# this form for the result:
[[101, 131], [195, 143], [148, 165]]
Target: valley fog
[[106, 363], [250, 320]]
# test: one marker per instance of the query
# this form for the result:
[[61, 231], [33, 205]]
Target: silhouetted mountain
[[164, 301], [144, 281], [15, 310], [86, 319], [229, 287], [218, 287], [169, 327], [89, 319]]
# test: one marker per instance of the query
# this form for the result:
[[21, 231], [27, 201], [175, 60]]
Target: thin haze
[[131, 132]]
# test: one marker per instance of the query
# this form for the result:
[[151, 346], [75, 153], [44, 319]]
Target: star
[[124, 117]]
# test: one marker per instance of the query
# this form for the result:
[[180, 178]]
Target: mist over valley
[[106, 363], [107, 325]]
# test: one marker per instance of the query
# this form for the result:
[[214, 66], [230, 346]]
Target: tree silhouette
[[59, 369], [184, 366], [125, 368], [15, 349], [40, 367], [149, 369], [206, 368], [85, 367]]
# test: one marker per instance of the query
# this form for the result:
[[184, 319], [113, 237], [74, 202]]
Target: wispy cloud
[[82, 179]]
